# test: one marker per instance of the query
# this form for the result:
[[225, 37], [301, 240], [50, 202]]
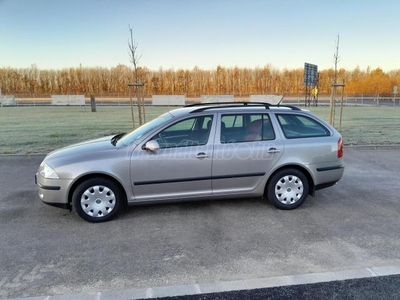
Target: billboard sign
[[216, 98], [167, 100], [272, 99], [8, 100], [310, 74], [68, 100]]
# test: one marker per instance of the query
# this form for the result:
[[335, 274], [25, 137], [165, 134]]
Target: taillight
[[340, 148]]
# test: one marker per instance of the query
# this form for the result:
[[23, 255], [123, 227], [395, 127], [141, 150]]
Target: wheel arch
[[91, 176], [302, 169]]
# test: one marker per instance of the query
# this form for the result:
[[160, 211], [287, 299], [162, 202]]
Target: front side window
[[298, 126], [185, 133], [246, 128], [144, 129]]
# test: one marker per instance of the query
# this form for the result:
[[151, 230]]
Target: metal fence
[[348, 100], [123, 100]]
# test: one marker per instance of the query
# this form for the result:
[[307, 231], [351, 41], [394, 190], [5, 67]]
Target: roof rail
[[211, 105], [239, 103]]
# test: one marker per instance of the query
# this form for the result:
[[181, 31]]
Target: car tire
[[287, 189], [98, 200]]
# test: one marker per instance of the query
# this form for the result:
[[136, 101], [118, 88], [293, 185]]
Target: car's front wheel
[[97, 200], [287, 189]]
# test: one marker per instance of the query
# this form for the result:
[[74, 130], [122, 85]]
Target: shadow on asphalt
[[383, 288]]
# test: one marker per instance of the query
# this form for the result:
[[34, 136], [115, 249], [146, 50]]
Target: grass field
[[25, 130]]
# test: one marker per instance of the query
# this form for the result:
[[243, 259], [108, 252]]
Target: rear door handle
[[202, 155], [273, 150]]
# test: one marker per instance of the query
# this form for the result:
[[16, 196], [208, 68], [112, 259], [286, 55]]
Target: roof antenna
[[284, 94], [281, 99]]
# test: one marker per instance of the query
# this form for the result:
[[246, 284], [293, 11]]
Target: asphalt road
[[48, 251], [382, 288]]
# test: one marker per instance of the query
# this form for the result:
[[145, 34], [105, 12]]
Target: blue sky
[[205, 33]]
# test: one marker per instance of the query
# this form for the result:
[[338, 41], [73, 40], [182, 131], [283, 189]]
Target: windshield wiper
[[115, 138]]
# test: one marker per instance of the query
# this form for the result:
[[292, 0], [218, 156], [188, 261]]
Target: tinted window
[[144, 129], [188, 132], [246, 128], [297, 126], [233, 121]]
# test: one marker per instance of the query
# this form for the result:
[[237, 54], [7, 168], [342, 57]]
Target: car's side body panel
[[171, 173]]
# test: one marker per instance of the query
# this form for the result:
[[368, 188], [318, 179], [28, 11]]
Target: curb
[[372, 147], [226, 286], [22, 154]]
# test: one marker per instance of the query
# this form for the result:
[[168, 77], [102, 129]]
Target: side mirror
[[152, 145]]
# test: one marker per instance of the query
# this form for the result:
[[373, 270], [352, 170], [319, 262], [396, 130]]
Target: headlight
[[47, 172]]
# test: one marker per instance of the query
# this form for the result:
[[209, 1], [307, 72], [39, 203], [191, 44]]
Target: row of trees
[[192, 83]]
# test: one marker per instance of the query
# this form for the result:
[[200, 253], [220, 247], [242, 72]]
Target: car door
[[246, 148], [181, 168]]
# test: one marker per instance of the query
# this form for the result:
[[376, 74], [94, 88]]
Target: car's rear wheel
[[97, 200], [288, 189]]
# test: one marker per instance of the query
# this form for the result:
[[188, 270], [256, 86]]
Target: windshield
[[144, 129]]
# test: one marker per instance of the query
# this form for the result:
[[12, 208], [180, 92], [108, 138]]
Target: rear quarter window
[[299, 126]]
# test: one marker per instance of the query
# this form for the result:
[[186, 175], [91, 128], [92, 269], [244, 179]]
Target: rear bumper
[[325, 169], [324, 185], [329, 174], [326, 176]]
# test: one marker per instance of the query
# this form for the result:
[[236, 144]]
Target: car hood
[[86, 148]]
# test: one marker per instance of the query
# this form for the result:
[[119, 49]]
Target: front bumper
[[53, 192]]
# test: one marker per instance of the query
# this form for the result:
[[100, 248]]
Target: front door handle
[[273, 150], [202, 155]]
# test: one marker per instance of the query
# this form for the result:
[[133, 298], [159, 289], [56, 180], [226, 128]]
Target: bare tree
[[134, 57], [335, 84], [333, 89], [336, 59]]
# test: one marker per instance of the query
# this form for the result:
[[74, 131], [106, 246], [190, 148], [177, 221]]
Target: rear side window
[[298, 126], [238, 128], [232, 121]]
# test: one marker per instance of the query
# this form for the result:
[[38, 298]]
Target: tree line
[[192, 83]]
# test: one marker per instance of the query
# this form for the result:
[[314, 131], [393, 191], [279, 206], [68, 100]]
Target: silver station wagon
[[200, 151]]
